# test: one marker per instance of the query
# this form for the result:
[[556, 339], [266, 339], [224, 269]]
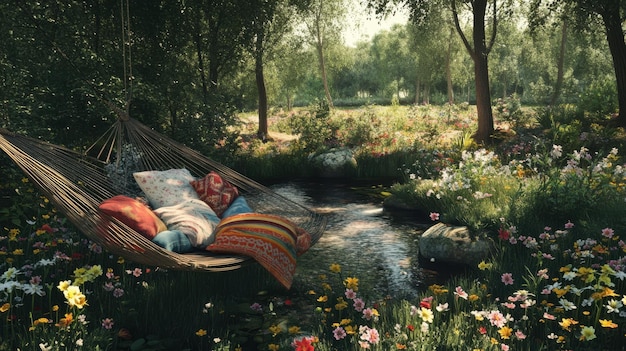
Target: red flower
[[425, 304], [47, 228], [303, 344], [288, 302], [410, 327], [503, 234], [77, 256], [482, 330]]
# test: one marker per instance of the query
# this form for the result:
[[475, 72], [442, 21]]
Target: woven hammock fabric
[[76, 184]]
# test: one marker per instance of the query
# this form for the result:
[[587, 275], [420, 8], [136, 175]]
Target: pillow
[[269, 239], [166, 188], [173, 240], [134, 214], [240, 205], [193, 218], [215, 191]]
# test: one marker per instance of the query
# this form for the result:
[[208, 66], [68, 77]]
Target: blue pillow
[[173, 240], [239, 205]]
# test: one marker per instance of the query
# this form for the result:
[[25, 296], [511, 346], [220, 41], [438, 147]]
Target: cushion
[[134, 214], [215, 191], [193, 218], [166, 188], [173, 240], [269, 239], [240, 205]]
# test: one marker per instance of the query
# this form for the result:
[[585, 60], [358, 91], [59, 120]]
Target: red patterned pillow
[[269, 239], [216, 192], [134, 214]]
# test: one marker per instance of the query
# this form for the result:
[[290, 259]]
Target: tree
[[611, 13], [478, 48], [323, 19]]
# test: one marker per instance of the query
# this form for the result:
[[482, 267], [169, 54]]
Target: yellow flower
[[350, 330], [24, 180], [605, 323], [341, 304], [561, 292], [5, 307], [63, 285], [493, 341], [18, 252], [438, 289], [65, 322], [609, 292], [273, 347], [567, 323], [352, 283], [274, 329], [586, 274], [345, 321], [605, 280], [45, 216], [120, 260], [323, 298], [294, 329], [201, 332], [484, 266], [55, 308], [505, 332], [335, 268], [13, 233], [327, 287], [472, 297]]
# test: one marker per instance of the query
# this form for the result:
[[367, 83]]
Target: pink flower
[[496, 318], [460, 293], [569, 225], [107, 323], [350, 294], [370, 335], [607, 232], [358, 304], [368, 313], [507, 279], [504, 347], [546, 315], [520, 335], [434, 216], [339, 333], [118, 292]]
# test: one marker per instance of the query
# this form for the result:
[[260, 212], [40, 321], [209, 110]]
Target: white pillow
[[194, 218], [166, 188]]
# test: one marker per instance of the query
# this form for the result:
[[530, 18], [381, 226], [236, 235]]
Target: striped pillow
[[269, 239]]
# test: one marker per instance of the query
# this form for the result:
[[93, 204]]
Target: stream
[[377, 246]]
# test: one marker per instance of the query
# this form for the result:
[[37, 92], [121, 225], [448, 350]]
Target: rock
[[453, 244], [336, 163]]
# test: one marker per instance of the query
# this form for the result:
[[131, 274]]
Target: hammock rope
[[77, 183]]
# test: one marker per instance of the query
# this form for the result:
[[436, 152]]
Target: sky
[[366, 26]]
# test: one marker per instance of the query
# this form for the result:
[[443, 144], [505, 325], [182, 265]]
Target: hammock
[[77, 183]]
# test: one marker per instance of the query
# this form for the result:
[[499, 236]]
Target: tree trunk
[[481, 74], [262, 133], [560, 63], [426, 94], [322, 63], [617, 46], [417, 91], [449, 70], [198, 40]]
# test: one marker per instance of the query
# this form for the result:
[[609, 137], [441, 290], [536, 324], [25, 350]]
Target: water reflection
[[371, 244]]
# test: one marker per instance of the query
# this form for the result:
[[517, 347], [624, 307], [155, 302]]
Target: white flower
[[567, 305], [613, 306]]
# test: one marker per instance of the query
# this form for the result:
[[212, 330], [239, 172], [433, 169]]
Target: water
[[377, 246]]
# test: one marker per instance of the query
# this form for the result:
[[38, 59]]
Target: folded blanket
[[271, 240]]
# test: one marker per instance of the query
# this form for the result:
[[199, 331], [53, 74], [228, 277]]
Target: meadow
[[549, 195]]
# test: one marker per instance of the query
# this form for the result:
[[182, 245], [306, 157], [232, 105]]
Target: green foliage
[[599, 99], [314, 127]]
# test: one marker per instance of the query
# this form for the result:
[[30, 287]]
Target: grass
[[555, 282]]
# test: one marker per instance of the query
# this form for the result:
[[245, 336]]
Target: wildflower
[[569, 225], [605, 323], [303, 344], [567, 305], [274, 329], [118, 292], [520, 335], [504, 347], [63, 285], [335, 268], [341, 304], [350, 294], [273, 347], [496, 318], [79, 342], [503, 234], [352, 283], [567, 323], [370, 335], [294, 329], [5, 307], [507, 279], [256, 307], [442, 307], [45, 347], [426, 315], [613, 306], [107, 323], [484, 266], [460, 293], [587, 333], [358, 305], [434, 216], [370, 313], [608, 232], [201, 332], [339, 333]]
